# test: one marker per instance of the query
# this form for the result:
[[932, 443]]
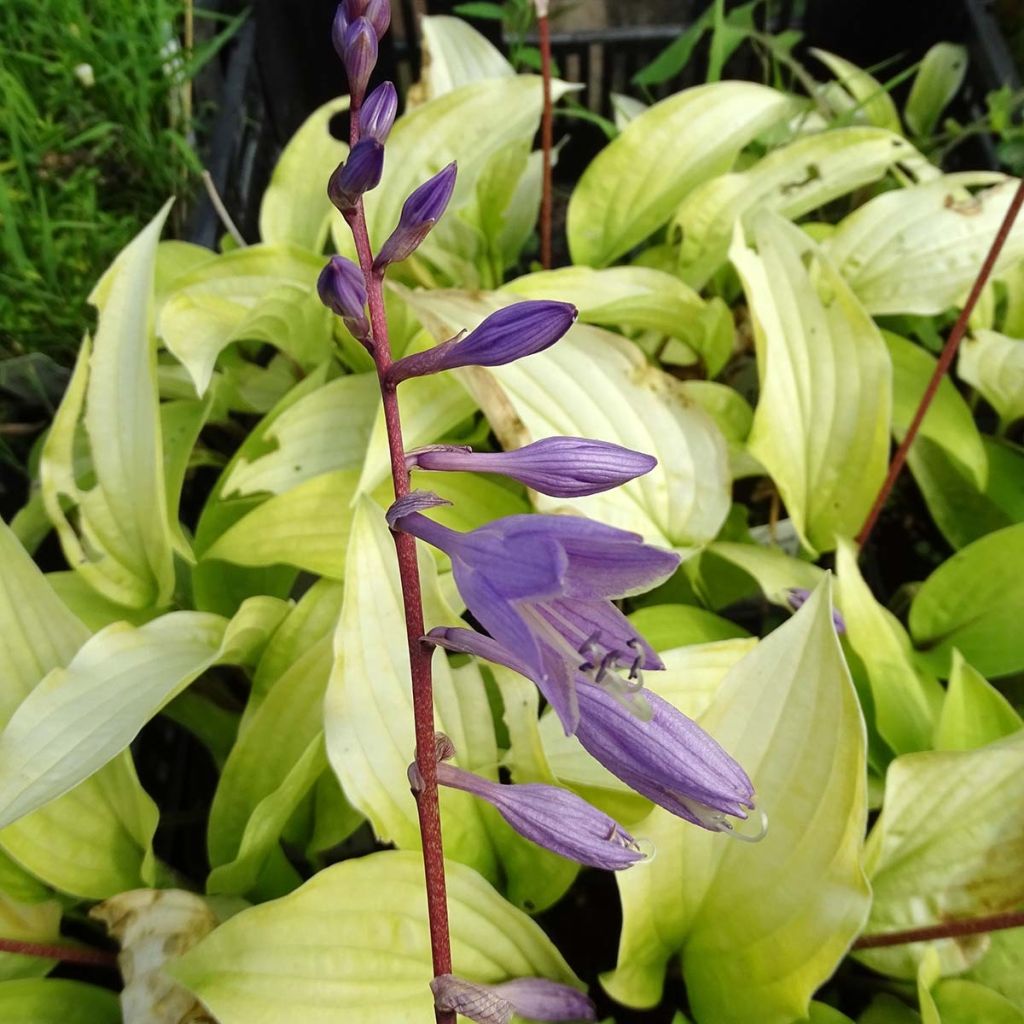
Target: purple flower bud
[[358, 174], [422, 210], [339, 27], [359, 56], [795, 598], [378, 113], [378, 14], [535, 998], [564, 467], [343, 291], [553, 818], [513, 332]]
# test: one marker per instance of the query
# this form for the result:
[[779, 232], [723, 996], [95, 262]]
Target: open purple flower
[[564, 467], [664, 755], [511, 333], [552, 817], [535, 998], [542, 586]]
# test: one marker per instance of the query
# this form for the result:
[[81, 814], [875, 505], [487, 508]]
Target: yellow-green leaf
[[761, 926], [363, 923], [638, 180], [994, 364], [57, 1001], [825, 381], [974, 712]]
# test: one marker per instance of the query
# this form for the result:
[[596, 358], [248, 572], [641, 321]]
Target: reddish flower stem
[[945, 360], [427, 806], [69, 954], [947, 930], [546, 141]]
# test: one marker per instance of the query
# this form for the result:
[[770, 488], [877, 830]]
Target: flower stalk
[[68, 954], [946, 930], [942, 365]]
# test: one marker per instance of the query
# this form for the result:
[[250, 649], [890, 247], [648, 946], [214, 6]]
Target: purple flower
[[422, 210], [359, 55], [542, 585], [564, 467], [535, 998], [795, 598], [378, 113], [343, 291], [511, 333], [665, 757], [553, 818], [358, 174]]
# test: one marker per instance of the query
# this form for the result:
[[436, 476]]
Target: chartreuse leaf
[[80, 717], [937, 81], [825, 383], [455, 54], [960, 510], [906, 698], [1002, 967], [27, 913], [761, 926], [949, 844], [870, 95], [994, 364], [966, 1002], [636, 182], [918, 249], [115, 530], [974, 712], [773, 571], [887, 1009], [972, 602], [948, 422], [279, 751], [792, 181], [822, 1013], [295, 208], [57, 1001], [368, 707], [364, 924], [597, 384], [665, 626], [326, 430], [96, 840], [307, 527], [199, 321], [632, 297]]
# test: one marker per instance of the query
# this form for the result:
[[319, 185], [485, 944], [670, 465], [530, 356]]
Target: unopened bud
[[358, 174], [378, 113]]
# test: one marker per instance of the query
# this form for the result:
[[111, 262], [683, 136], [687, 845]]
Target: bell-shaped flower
[[359, 55], [511, 333], [378, 113], [342, 290], [564, 467], [533, 998], [422, 210], [552, 817], [542, 586], [664, 756], [358, 174]]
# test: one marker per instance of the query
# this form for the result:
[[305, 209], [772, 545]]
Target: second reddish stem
[[427, 806], [943, 364], [546, 141]]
